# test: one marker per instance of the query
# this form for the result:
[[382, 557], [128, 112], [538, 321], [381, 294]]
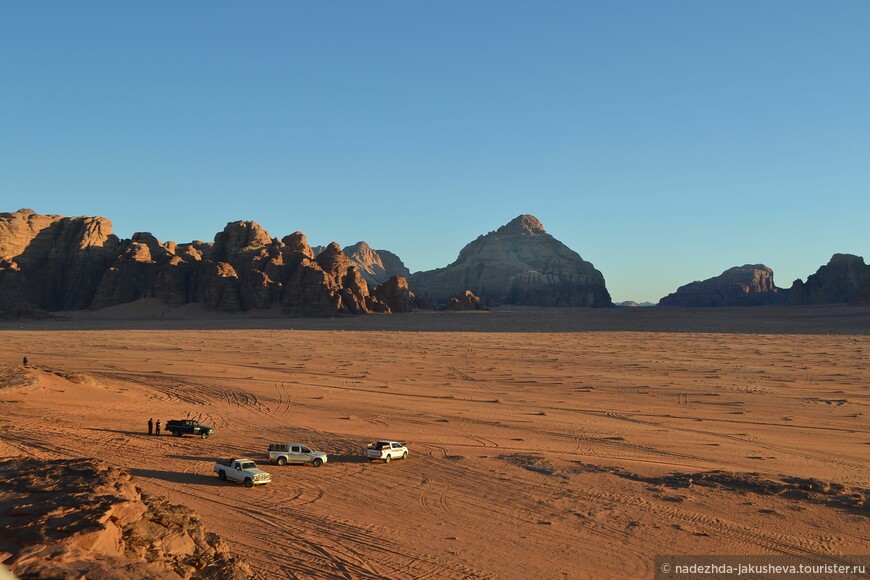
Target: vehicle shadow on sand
[[176, 477], [347, 459]]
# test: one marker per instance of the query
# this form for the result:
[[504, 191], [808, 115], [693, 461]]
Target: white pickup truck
[[241, 470], [386, 450], [282, 454]]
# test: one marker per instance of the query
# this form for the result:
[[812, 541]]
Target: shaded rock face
[[862, 296], [80, 518], [843, 279], [51, 263], [749, 285], [376, 266], [520, 263], [393, 264]]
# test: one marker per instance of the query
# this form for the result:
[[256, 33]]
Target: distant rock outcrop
[[520, 263], [844, 279], [376, 266], [465, 301], [395, 294], [50, 263], [749, 285], [79, 518]]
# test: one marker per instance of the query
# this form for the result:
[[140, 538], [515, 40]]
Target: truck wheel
[[405, 455], [387, 458], [249, 482], [282, 461], [222, 475], [176, 433], [203, 435], [317, 462]]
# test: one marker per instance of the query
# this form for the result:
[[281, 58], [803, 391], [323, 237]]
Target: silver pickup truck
[[284, 453], [241, 470]]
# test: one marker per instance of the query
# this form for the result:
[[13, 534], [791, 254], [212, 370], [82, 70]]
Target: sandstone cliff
[[844, 278], [79, 518], [50, 263], [520, 263], [749, 285]]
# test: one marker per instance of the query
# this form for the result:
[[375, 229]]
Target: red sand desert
[[545, 454]]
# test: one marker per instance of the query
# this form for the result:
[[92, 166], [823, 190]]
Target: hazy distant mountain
[[845, 278], [749, 285], [633, 304], [520, 263], [376, 266]]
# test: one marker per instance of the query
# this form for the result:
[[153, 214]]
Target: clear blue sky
[[663, 141]]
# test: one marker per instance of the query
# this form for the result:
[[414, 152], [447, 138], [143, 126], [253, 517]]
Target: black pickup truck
[[188, 427]]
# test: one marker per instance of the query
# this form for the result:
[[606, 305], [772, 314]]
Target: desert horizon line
[[524, 220]]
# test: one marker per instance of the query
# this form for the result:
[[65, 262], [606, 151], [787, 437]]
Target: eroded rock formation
[[396, 294], [520, 263], [50, 263], [749, 285], [465, 301]]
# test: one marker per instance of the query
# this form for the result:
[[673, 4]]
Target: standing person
[[151, 426], [26, 362], [158, 426]]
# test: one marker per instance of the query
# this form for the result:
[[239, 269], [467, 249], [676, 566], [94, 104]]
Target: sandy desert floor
[[575, 453]]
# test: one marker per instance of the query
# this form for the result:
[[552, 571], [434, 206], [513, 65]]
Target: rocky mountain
[[79, 518], [520, 263], [376, 266], [845, 278], [749, 285], [58, 263]]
